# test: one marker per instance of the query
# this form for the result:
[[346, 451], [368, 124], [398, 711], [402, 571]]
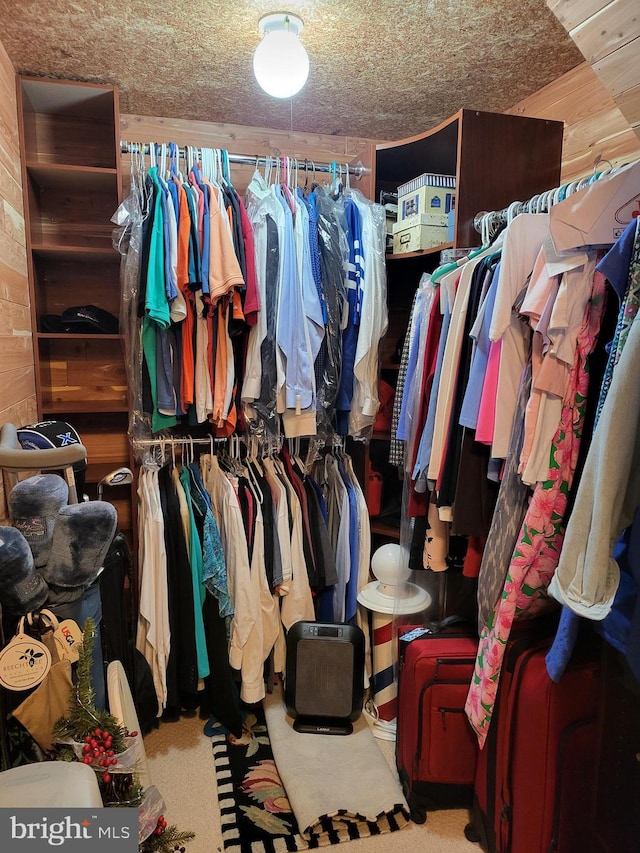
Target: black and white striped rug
[[255, 813]]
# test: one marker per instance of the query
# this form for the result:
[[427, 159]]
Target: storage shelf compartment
[[69, 215], [63, 281], [495, 158], [84, 254], [83, 407], [434, 151], [56, 176], [82, 374], [432, 250], [67, 123], [390, 531], [95, 473], [68, 336]]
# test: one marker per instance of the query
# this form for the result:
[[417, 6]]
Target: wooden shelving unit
[[496, 159], [72, 185]]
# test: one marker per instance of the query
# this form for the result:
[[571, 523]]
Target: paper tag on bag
[[67, 635], [68, 638], [24, 662]]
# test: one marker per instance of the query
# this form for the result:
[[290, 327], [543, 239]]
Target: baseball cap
[[89, 319]]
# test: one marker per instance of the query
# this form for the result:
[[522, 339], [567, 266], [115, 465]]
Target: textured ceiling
[[379, 68]]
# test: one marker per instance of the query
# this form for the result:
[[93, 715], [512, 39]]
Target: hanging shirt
[[421, 465], [339, 529], [214, 569], [373, 319], [251, 304], [267, 222], [195, 178], [333, 251], [523, 239], [296, 380], [195, 559], [224, 269], [153, 638], [355, 277], [480, 333], [246, 607]]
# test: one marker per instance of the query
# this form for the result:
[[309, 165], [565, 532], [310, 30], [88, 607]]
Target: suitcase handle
[[437, 627], [452, 662]]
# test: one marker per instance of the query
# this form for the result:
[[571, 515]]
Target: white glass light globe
[[389, 564], [281, 64]]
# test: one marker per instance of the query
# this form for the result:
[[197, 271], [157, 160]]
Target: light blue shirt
[[426, 439], [403, 431], [290, 332], [473, 394]]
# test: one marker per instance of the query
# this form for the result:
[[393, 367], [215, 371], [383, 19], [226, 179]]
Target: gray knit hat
[[33, 506], [22, 589], [81, 539]]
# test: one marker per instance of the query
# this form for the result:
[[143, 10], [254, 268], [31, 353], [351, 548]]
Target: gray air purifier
[[324, 684]]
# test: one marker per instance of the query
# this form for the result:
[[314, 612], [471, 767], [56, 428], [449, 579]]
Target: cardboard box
[[426, 200], [427, 179], [441, 220], [417, 234], [427, 194]]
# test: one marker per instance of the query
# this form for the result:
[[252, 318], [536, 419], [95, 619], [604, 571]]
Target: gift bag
[[48, 702]]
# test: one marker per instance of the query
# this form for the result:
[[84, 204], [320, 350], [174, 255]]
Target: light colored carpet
[[344, 778], [181, 766]]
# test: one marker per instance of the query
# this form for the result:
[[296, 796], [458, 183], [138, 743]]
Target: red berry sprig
[[98, 750], [161, 825]]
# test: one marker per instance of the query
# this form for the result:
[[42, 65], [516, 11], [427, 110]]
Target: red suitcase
[[436, 749], [534, 776]]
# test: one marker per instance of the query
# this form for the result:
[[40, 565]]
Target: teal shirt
[[156, 305], [158, 420], [199, 590]]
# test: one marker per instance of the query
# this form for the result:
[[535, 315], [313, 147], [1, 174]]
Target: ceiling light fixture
[[280, 63]]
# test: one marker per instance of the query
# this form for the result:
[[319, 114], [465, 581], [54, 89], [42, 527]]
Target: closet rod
[[355, 169], [542, 202], [181, 441]]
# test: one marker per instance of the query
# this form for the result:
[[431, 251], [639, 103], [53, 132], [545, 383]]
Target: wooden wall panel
[[17, 383], [571, 13], [259, 141], [608, 35], [595, 128], [609, 29]]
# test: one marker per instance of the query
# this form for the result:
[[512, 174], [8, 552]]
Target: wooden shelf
[[379, 528], [67, 336], [60, 176], [84, 254], [80, 408], [97, 471], [432, 250]]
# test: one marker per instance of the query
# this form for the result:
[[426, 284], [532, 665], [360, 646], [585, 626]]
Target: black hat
[[89, 319]]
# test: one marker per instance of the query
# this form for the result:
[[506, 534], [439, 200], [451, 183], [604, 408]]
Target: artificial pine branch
[[83, 717], [171, 841]]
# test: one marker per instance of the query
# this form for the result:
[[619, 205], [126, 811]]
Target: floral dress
[[537, 551]]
